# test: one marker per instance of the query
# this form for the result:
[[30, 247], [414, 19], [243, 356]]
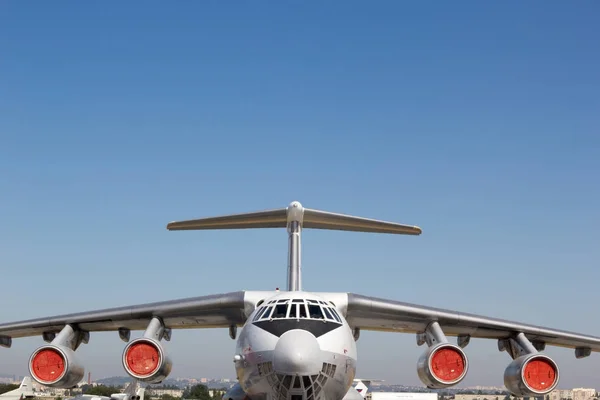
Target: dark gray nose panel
[[317, 327]]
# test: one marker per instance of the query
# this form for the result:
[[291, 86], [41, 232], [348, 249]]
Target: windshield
[[296, 309]]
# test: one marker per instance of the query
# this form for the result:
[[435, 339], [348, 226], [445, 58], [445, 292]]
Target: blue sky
[[476, 121]]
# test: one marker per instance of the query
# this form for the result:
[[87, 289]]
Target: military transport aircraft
[[23, 392], [295, 344]]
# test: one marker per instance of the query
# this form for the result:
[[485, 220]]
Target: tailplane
[[308, 218], [295, 217]]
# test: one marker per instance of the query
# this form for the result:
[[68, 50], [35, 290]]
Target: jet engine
[[56, 366], [145, 359], [442, 365], [531, 375]]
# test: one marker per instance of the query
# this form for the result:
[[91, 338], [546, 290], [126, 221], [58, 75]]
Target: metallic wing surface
[[376, 314], [213, 311], [279, 218]]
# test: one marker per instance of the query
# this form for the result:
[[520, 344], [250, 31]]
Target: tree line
[[7, 387]]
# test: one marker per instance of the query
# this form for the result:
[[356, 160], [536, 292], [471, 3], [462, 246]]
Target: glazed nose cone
[[297, 352]]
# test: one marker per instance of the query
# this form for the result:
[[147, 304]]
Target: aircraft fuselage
[[296, 346]]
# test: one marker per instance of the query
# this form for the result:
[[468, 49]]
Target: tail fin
[[130, 389], [24, 390], [130, 392], [295, 217], [140, 393], [26, 384]]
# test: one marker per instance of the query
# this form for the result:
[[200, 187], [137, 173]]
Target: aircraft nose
[[297, 352]]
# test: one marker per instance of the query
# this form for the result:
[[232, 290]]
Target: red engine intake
[[531, 375], [145, 359], [56, 366], [442, 365]]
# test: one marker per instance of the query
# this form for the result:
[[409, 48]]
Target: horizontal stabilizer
[[327, 220], [308, 218], [260, 219]]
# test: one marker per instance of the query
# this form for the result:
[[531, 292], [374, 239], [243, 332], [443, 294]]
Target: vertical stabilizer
[[25, 390], [26, 384]]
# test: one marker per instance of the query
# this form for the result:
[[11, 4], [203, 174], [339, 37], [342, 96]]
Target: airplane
[[24, 391], [295, 344], [130, 393]]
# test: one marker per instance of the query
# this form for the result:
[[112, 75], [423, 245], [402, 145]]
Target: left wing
[[213, 311], [56, 364], [371, 313]]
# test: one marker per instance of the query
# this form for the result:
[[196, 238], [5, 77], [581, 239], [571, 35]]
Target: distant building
[[170, 392], [583, 394], [561, 394], [479, 397]]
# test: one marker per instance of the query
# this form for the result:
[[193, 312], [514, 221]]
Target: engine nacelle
[[531, 375], [442, 365], [56, 366], [144, 359]]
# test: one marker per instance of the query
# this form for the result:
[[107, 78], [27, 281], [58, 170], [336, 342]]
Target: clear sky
[[478, 121]]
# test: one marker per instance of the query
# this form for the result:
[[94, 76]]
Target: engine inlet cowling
[[56, 366], [531, 375], [145, 359], [442, 365]]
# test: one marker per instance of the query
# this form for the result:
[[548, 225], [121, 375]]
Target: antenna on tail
[[295, 218]]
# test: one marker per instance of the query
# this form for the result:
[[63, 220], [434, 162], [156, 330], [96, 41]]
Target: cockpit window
[[280, 311], [296, 309], [302, 313], [259, 313], [293, 309], [335, 315], [267, 313], [314, 311]]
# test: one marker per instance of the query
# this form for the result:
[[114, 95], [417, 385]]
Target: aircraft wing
[[370, 313], [213, 311]]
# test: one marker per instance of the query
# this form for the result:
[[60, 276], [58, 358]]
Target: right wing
[[213, 311], [376, 314]]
